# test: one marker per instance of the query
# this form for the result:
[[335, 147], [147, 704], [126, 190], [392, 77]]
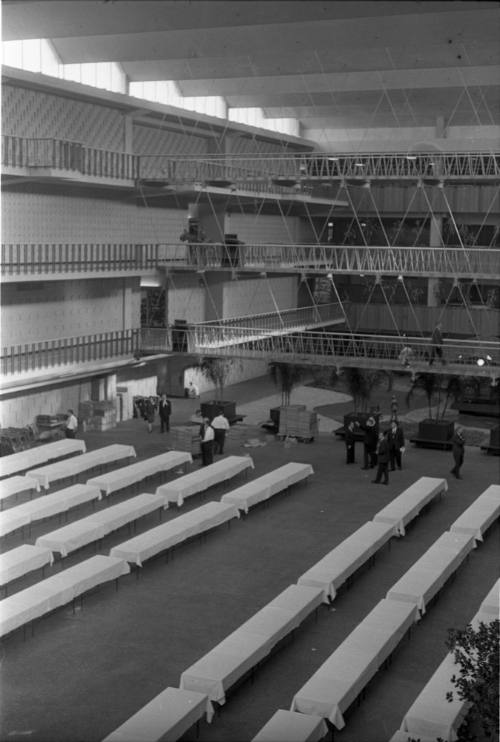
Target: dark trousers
[[369, 458], [459, 460], [207, 453], [383, 469], [219, 439], [70, 433], [165, 424], [349, 449], [395, 456], [436, 351]]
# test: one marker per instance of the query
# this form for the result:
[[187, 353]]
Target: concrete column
[[434, 241]]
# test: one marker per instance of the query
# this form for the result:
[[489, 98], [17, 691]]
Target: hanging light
[[480, 361]]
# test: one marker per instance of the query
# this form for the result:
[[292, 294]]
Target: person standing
[[458, 449], [149, 412], [382, 459], [436, 344], [370, 443], [71, 425], [220, 424], [206, 442], [350, 443], [165, 410], [396, 440], [394, 408]]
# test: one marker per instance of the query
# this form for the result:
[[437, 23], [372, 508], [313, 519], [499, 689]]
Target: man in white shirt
[[207, 442], [71, 425], [220, 424]]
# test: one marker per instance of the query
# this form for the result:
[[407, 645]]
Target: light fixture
[[329, 275], [360, 164], [333, 159], [480, 361], [489, 359], [411, 157], [400, 278]]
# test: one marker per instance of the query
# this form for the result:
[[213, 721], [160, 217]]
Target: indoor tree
[[217, 370], [286, 376]]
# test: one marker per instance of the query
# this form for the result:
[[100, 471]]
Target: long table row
[[49, 473], [23, 460]]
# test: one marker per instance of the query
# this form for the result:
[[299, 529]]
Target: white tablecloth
[[45, 596], [167, 717], [267, 485], [490, 603], [409, 503], [428, 575], [11, 520], [99, 524], [71, 467], [137, 550], [124, 477], [56, 503], [15, 485], [37, 455], [333, 569], [201, 479], [223, 665], [431, 715], [20, 561], [342, 677], [289, 726], [480, 515]]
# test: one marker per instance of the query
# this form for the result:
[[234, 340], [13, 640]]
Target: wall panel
[[263, 228]]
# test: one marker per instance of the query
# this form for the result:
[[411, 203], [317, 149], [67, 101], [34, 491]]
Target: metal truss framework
[[465, 358]]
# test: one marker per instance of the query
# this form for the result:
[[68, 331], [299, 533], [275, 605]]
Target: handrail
[[67, 351], [270, 321]]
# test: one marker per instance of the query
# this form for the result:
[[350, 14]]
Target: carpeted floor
[[82, 674]]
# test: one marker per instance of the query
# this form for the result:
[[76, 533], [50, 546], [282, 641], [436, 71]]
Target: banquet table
[[16, 485], [489, 610], [11, 520], [266, 486], [53, 592], [99, 524], [37, 455], [25, 558], [140, 548], [431, 714], [338, 565], [201, 479], [55, 503], [72, 467], [167, 717], [409, 503], [341, 678], [127, 475], [239, 652], [480, 515], [428, 574], [289, 726]]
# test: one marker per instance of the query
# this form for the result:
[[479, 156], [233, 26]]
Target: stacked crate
[[185, 438], [97, 415], [298, 422]]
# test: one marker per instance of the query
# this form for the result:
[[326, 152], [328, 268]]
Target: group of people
[[213, 437], [381, 449]]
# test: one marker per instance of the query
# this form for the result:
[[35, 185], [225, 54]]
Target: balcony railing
[[59, 154], [33, 357]]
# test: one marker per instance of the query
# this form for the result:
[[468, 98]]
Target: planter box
[[494, 444], [434, 434], [211, 409]]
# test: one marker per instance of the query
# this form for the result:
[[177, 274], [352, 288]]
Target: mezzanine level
[[32, 262], [462, 357]]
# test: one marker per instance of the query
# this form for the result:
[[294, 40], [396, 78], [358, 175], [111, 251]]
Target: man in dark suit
[[382, 459], [396, 440], [370, 443], [165, 410], [206, 442], [350, 443]]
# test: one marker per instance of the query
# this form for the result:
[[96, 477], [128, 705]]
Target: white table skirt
[[10, 521], [20, 561], [167, 717], [141, 548], [342, 677], [55, 591], [490, 603], [289, 726], [71, 467], [127, 475], [266, 486], [16, 485], [480, 515], [431, 714], [37, 455], [409, 503], [57, 502], [99, 524], [428, 575], [335, 567], [201, 479]]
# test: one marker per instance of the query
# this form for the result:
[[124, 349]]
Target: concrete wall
[[19, 411], [263, 228], [255, 295]]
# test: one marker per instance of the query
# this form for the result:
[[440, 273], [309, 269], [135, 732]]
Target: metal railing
[[60, 154], [278, 321], [31, 357]]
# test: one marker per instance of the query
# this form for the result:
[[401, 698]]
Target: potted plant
[[286, 376], [360, 383], [217, 371], [435, 430]]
